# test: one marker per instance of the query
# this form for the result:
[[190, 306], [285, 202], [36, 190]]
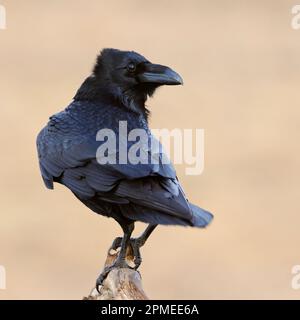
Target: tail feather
[[201, 217], [148, 215]]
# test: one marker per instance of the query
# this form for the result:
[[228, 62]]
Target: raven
[[116, 90]]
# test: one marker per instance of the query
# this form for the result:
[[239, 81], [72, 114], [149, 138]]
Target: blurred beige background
[[240, 61]]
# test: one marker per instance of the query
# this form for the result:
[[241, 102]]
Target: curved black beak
[[156, 73]]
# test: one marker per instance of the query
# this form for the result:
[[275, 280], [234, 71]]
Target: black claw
[[103, 276], [119, 263]]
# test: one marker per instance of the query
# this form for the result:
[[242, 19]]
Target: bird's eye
[[131, 67]]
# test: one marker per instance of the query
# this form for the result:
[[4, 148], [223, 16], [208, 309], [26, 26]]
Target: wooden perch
[[120, 284]]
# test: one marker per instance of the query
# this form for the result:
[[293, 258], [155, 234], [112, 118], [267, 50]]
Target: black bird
[[117, 90]]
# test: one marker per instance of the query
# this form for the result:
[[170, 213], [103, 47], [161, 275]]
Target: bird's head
[[127, 76]]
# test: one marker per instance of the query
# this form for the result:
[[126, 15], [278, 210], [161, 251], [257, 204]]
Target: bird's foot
[[119, 263], [115, 245], [135, 244]]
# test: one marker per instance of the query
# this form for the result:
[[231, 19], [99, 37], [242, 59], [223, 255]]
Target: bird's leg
[[137, 243], [120, 262]]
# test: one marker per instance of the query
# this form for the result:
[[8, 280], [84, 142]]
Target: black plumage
[[116, 91]]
